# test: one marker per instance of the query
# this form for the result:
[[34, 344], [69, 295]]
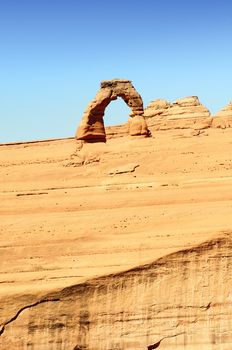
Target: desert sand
[[117, 245]]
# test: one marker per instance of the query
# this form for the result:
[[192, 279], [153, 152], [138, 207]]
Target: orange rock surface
[[223, 119], [117, 245], [92, 123], [184, 113]]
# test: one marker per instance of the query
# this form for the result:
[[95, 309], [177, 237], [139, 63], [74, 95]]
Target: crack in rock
[[156, 345], [3, 326], [128, 168]]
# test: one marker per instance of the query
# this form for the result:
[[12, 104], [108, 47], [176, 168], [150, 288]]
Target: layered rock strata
[[180, 301], [184, 113], [223, 119], [102, 244], [92, 123]]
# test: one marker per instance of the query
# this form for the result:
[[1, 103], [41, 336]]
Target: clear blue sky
[[54, 53]]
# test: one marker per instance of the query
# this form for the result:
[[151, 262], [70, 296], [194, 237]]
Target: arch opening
[[117, 112], [92, 124]]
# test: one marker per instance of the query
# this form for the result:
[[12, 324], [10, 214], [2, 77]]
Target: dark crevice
[[3, 326], [156, 345]]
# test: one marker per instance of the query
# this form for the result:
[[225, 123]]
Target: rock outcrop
[[123, 245], [180, 301], [92, 124], [184, 113], [223, 119]]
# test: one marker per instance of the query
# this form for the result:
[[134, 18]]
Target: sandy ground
[[136, 200]]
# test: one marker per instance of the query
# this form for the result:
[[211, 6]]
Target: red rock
[[92, 127]]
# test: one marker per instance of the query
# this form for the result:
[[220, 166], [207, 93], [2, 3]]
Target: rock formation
[[180, 301], [184, 113], [92, 124], [223, 119], [125, 245]]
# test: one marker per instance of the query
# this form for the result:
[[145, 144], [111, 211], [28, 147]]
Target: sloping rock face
[[92, 124], [128, 246], [184, 113], [223, 119], [182, 301]]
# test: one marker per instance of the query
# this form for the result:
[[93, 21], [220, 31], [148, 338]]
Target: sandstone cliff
[[177, 301]]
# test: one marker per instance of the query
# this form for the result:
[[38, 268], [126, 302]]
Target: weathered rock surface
[[223, 119], [112, 255], [184, 113], [182, 300], [92, 124]]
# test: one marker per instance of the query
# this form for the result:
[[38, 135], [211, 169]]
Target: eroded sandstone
[[184, 113], [102, 243], [92, 127], [223, 119], [181, 300]]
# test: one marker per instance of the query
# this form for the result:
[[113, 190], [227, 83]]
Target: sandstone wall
[[180, 301]]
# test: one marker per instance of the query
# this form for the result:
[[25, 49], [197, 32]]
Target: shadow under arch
[[92, 127]]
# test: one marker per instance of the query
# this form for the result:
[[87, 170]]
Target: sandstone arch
[[92, 127]]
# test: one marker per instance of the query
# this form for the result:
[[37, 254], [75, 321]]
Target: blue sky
[[54, 53]]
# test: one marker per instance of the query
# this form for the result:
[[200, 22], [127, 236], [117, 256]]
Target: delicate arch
[[92, 124]]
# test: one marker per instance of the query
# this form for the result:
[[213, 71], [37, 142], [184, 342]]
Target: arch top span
[[92, 124]]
